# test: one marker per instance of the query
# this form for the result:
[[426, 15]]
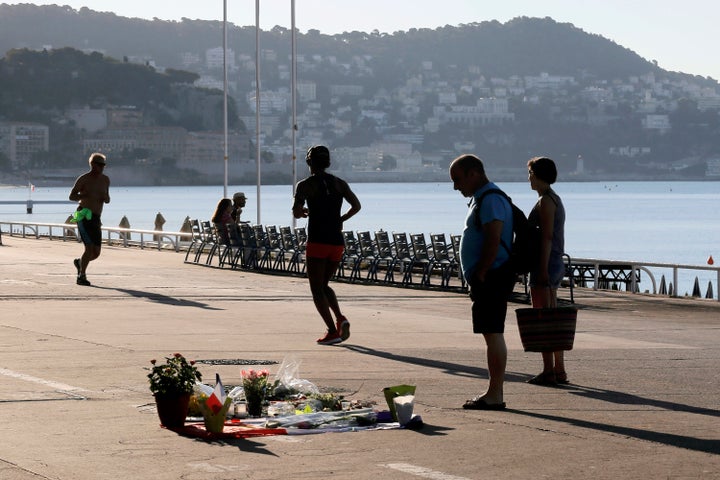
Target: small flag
[[216, 400]]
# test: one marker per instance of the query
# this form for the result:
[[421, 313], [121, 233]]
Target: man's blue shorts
[[90, 230]]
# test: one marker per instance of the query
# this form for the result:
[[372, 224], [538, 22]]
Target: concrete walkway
[[644, 400]]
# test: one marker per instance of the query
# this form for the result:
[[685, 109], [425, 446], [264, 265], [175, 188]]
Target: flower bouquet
[[255, 383], [172, 384]]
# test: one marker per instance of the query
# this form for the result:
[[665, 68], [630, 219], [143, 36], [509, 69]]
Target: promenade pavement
[[644, 401]]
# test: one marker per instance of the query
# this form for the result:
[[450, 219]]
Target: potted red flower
[[172, 384]]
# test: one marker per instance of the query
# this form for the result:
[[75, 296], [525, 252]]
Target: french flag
[[216, 400]]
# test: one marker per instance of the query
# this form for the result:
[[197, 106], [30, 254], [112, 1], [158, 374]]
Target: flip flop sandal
[[544, 379], [481, 404]]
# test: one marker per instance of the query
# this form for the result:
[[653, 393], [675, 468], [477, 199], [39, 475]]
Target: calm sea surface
[[658, 222]]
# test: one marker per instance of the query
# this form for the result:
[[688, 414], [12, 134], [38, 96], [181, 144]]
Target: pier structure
[[30, 203]]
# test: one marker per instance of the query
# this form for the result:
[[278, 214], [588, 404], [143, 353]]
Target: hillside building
[[19, 141], [89, 119]]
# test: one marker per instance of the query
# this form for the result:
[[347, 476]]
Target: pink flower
[[254, 374]]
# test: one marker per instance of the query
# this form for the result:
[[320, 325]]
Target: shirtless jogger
[[91, 191]]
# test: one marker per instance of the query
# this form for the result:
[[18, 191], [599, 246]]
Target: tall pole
[[293, 80], [257, 103], [225, 99]]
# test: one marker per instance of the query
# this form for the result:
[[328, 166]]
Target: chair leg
[[198, 252], [389, 272], [355, 270], [406, 268], [426, 273], [212, 253], [372, 270], [280, 261], [189, 251]]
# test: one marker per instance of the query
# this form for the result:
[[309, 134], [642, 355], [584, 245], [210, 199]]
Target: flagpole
[[293, 80], [257, 103], [225, 99]]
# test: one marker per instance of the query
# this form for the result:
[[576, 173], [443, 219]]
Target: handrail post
[[596, 277]]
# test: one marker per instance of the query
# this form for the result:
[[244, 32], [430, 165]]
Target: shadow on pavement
[[432, 430], [447, 367], [164, 299], [623, 398], [247, 445], [681, 441]]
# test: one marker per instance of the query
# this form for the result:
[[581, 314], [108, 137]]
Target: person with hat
[[324, 194], [238, 203], [91, 191]]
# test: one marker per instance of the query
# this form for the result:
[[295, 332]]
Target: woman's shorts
[[556, 272], [323, 251]]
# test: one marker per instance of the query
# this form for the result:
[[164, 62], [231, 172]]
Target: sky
[[678, 35]]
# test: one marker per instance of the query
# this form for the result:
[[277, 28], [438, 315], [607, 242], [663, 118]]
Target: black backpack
[[523, 251]]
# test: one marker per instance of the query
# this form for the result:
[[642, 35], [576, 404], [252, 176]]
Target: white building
[[487, 111], [19, 141], [447, 98], [270, 101], [306, 91], [208, 81], [547, 81], [346, 90], [89, 119], [713, 168], [190, 58], [708, 102], [628, 151], [407, 159], [214, 58], [656, 122]]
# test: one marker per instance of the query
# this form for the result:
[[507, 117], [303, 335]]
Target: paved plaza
[[644, 401]]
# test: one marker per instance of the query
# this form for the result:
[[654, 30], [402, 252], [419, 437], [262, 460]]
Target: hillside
[[522, 46], [403, 103], [39, 86]]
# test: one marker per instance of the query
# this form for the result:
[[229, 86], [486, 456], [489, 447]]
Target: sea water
[[646, 222]]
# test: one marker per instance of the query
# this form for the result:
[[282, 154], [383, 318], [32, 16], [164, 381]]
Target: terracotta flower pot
[[172, 409]]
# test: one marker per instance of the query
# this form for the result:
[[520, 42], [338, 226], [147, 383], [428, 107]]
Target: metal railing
[[635, 267], [113, 235], [595, 269]]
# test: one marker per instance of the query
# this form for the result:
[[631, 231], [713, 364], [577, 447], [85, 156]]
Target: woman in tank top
[[548, 219], [324, 194]]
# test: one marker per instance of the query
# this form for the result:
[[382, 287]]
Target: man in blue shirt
[[486, 269]]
